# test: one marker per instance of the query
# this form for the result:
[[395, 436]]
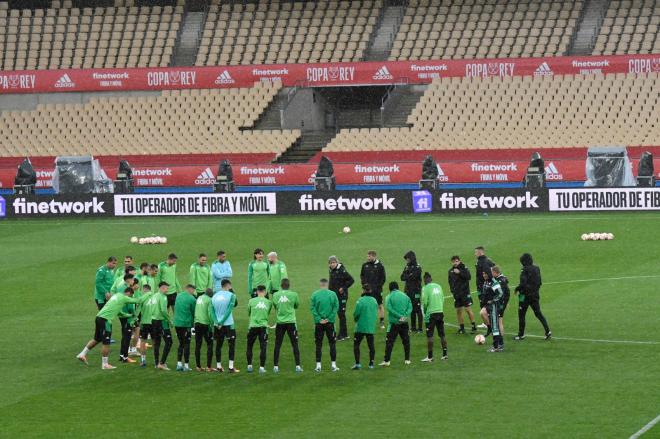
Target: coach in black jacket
[[459, 284], [340, 282], [528, 295], [412, 276], [373, 274], [484, 264]]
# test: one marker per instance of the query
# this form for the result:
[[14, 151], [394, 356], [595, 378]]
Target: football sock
[[444, 352], [334, 364], [104, 361], [462, 327], [231, 364], [318, 364], [218, 365], [85, 351], [430, 354], [179, 364]]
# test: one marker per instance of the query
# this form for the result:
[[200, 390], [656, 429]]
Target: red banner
[[316, 75]]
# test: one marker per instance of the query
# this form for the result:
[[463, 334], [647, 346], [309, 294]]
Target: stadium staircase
[[189, 37], [306, 147], [591, 20], [401, 102], [381, 43]]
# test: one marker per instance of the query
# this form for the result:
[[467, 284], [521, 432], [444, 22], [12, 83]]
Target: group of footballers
[[150, 302]]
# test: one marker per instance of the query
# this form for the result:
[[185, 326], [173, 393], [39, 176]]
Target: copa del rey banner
[[345, 173], [315, 75]]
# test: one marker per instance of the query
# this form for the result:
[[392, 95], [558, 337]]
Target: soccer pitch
[[580, 384]]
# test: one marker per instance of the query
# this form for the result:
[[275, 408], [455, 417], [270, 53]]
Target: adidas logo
[[224, 78], [205, 178], [65, 82], [441, 174], [383, 73], [543, 70], [552, 173]]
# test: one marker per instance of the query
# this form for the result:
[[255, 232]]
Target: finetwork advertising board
[[479, 200], [196, 204], [601, 199]]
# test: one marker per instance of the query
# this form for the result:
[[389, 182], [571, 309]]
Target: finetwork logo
[[24, 207], [543, 70], [552, 173], [3, 207], [422, 202], [205, 178], [383, 73], [224, 78], [309, 204], [448, 201], [65, 82]]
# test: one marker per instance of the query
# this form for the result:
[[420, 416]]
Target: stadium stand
[[433, 29], [629, 27], [176, 122], [522, 112], [101, 37], [287, 32]]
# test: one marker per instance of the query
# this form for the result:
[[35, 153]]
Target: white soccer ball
[[610, 236], [141, 241], [592, 237], [163, 240], [150, 240], [479, 339], [157, 239], [584, 237], [134, 240], [602, 236], [347, 229]]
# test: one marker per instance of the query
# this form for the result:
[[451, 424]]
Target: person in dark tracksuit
[[495, 293], [412, 276], [373, 274], [340, 282], [528, 295], [459, 284], [483, 265]]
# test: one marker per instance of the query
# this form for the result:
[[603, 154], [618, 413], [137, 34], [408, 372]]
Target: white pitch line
[[646, 428], [597, 279], [589, 340]]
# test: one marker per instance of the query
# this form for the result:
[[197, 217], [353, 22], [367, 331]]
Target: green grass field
[[562, 388]]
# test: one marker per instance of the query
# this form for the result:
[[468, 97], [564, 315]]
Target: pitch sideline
[[646, 428]]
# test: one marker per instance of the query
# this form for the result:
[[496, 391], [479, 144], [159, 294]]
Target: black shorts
[[225, 332], [463, 301], [102, 331], [146, 330], [378, 296], [171, 298], [436, 321]]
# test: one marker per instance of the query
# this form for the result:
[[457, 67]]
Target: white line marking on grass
[[646, 428], [597, 279], [589, 340]]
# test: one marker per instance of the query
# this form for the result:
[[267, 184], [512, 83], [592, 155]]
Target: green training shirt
[[167, 273], [103, 282], [113, 307], [366, 315], [148, 306], [258, 274], [433, 300], [201, 277], [324, 305], [203, 310], [398, 305], [286, 302], [277, 273], [258, 310], [184, 310]]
